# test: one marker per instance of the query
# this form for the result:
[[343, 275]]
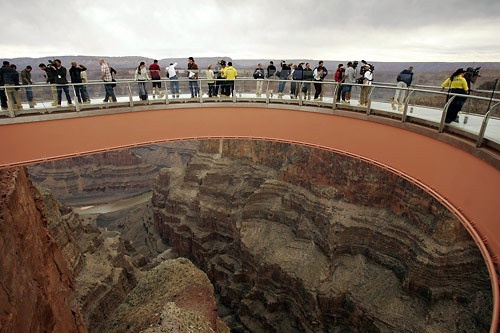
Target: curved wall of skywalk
[[466, 185]]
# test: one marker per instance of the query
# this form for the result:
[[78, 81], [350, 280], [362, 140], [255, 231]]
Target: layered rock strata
[[106, 268], [169, 154], [36, 286], [173, 297], [97, 178], [304, 240]]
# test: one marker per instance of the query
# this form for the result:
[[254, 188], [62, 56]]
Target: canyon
[[288, 239], [303, 240]]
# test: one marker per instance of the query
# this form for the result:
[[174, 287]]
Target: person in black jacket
[[258, 74], [308, 76], [80, 89], [10, 77], [286, 69], [50, 77], [3, 97], [298, 75], [61, 81], [404, 80], [271, 75]]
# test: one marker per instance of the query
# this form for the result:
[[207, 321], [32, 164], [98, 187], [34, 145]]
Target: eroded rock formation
[[36, 286], [105, 268], [304, 240], [97, 178]]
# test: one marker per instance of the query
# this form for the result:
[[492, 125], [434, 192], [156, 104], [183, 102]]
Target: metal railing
[[273, 91]]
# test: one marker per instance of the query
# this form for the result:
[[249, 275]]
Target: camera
[[51, 63], [363, 70], [471, 74], [355, 64]]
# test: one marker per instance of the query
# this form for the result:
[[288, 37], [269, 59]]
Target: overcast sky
[[376, 30]]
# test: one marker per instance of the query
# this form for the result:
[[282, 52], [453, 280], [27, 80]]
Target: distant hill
[[91, 62]]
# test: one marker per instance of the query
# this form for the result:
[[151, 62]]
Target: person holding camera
[[367, 81], [50, 77], [404, 81], [75, 74], [258, 74]]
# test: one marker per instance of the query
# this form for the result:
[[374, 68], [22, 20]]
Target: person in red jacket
[[155, 74], [339, 77]]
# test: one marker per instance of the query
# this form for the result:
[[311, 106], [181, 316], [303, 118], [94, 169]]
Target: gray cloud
[[444, 30]]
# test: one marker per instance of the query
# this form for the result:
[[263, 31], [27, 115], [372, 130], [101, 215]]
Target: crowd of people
[[220, 81]]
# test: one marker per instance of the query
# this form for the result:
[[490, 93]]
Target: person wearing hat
[[456, 84]]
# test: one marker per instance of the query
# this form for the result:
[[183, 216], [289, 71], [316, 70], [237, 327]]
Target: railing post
[[200, 91], [369, 102], [77, 104], [480, 136], [445, 111], [130, 97], [335, 92], [166, 93], [267, 92], [233, 93], [405, 110], [12, 112], [299, 92]]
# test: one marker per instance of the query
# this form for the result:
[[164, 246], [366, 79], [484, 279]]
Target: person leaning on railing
[[404, 80], [258, 74], [26, 81], [50, 77], [174, 80], [155, 73], [108, 79], [456, 84], [141, 76]]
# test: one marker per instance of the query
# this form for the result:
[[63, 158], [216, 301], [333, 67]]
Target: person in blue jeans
[[26, 80], [286, 69], [61, 81], [193, 78], [174, 80]]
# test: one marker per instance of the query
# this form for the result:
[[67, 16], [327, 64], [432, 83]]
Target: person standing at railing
[[230, 75], [258, 74], [76, 78], [108, 79], [308, 76], [141, 76], [174, 80], [26, 80], [11, 78], [349, 77], [318, 77], [155, 73], [323, 76], [404, 81], [339, 77], [365, 89], [50, 78], [456, 84], [286, 69], [193, 77], [3, 97], [221, 82], [297, 75], [210, 81], [61, 81], [271, 75]]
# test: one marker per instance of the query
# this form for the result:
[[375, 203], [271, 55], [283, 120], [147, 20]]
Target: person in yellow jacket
[[456, 84], [229, 73]]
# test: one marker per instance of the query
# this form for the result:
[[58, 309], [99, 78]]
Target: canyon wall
[[96, 178], [36, 293], [296, 239]]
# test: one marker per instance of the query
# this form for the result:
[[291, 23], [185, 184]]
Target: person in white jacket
[[174, 80], [141, 76]]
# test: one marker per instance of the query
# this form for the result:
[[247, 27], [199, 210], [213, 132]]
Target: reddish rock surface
[[36, 286]]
